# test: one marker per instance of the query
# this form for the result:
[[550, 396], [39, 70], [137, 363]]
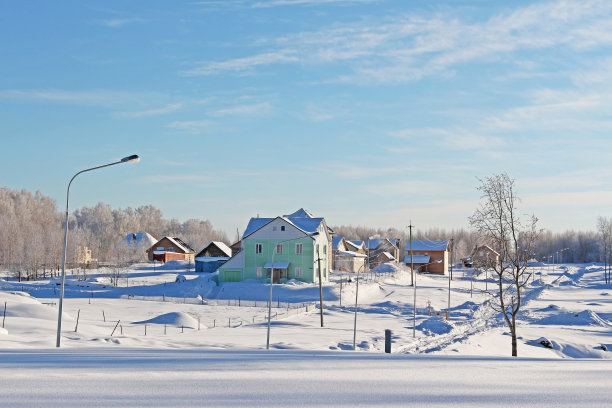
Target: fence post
[[229, 322], [164, 329], [77, 322], [387, 341], [4, 317], [145, 329], [238, 301], [198, 322], [103, 316], [115, 328]]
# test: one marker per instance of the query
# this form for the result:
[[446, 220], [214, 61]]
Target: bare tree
[[604, 228], [498, 223]]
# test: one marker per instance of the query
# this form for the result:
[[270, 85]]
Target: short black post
[[387, 341]]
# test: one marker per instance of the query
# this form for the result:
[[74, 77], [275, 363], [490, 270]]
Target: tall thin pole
[[320, 285], [130, 159], [356, 295], [449, 276], [413, 283], [270, 301]]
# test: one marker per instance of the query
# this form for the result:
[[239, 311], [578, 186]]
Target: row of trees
[[32, 231]]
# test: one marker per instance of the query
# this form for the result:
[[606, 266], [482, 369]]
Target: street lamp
[[129, 159], [356, 293], [414, 313], [272, 281]]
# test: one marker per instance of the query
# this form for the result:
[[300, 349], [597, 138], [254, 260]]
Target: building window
[[282, 227], [279, 248], [160, 248], [258, 248], [317, 248], [170, 248], [325, 249], [298, 272], [298, 248], [324, 273], [259, 272]]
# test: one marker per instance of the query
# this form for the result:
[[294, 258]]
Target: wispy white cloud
[[242, 64], [450, 138], [277, 3], [191, 126], [100, 97], [410, 47], [150, 112], [264, 108], [120, 22], [192, 179]]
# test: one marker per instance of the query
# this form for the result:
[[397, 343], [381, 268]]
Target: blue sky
[[364, 112]]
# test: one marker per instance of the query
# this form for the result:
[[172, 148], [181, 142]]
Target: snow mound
[[22, 305], [584, 318], [435, 325], [173, 319], [388, 267]]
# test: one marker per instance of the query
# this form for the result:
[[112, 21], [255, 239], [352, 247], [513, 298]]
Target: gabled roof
[[308, 225], [417, 259], [356, 244], [336, 241], [385, 254], [220, 245], [477, 248], [375, 243], [181, 244], [301, 213], [427, 245], [137, 240]]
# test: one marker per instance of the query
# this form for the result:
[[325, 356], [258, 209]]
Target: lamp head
[[131, 159]]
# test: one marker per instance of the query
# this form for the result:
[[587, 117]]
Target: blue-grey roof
[[307, 224], [358, 243], [427, 245], [301, 213], [417, 259], [375, 243], [336, 241]]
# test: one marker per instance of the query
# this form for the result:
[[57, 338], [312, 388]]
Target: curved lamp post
[[129, 159]]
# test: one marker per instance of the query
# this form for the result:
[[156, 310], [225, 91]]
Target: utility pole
[[413, 282], [320, 284], [449, 277]]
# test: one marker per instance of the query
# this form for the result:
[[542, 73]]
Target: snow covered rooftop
[[426, 245], [308, 224], [335, 242], [221, 245], [417, 259], [137, 240]]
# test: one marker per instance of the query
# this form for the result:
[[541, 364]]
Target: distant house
[[301, 243], [428, 256], [236, 247], [136, 240], [483, 255], [212, 256], [347, 256], [83, 256], [170, 249], [375, 247], [382, 258]]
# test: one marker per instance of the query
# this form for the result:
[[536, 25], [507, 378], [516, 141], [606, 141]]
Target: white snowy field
[[128, 377], [156, 342]]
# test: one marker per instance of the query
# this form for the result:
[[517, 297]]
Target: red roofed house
[[171, 249]]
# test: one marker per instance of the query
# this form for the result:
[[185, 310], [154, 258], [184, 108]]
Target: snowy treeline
[[32, 232], [584, 246]]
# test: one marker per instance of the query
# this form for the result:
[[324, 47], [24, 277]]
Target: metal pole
[[413, 284], [356, 295], [449, 278], [270, 302], [320, 286], [133, 158]]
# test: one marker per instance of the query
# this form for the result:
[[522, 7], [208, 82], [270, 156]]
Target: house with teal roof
[[295, 246]]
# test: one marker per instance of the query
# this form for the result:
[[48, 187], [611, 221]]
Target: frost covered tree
[[604, 227], [498, 224]]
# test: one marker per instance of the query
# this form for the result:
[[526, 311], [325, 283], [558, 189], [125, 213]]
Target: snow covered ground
[[157, 342]]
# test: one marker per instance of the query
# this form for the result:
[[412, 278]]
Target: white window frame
[[325, 249], [299, 248], [259, 272], [258, 248], [277, 247], [299, 273]]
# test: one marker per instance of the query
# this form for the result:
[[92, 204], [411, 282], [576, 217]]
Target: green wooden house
[[298, 244]]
